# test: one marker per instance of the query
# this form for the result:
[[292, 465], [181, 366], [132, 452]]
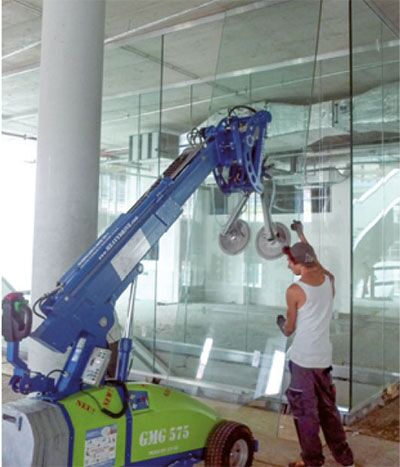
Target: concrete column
[[67, 176]]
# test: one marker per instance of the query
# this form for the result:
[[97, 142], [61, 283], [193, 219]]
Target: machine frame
[[78, 314]]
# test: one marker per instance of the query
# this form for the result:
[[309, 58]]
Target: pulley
[[271, 248], [235, 240]]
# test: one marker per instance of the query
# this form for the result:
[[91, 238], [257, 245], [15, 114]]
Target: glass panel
[[127, 172], [220, 340], [376, 204], [192, 295], [326, 182], [308, 147]]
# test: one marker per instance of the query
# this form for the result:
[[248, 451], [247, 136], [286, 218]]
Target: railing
[[374, 204]]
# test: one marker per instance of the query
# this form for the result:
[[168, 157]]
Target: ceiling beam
[[259, 69], [29, 6], [388, 12], [154, 29], [171, 66], [21, 50], [18, 135], [247, 71], [159, 28]]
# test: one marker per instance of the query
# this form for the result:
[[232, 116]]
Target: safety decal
[[107, 398], [85, 406], [100, 446], [138, 400], [130, 254]]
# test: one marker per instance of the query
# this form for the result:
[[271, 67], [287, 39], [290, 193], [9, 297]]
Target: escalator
[[376, 231], [374, 205]]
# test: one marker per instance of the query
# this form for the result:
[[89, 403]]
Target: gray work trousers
[[311, 396]]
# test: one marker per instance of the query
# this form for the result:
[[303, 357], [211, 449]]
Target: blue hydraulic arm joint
[[124, 353], [79, 312]]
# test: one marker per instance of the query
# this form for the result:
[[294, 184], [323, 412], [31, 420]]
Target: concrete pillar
[[67, 176]]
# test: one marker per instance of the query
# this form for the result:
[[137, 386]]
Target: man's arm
[[288, 325], [292, 301], [297, 226]]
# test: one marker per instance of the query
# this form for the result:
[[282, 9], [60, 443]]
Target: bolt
[[103, 322]]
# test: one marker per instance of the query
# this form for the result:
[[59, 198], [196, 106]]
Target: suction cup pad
[[272, 249], [236, 239]]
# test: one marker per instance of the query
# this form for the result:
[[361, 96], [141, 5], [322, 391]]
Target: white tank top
[[311, 347]]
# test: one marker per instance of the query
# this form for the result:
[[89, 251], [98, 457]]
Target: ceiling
[[215, 53]]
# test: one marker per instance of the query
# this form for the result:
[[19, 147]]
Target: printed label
[[100, 446], [153, 437], [138, 400], [129, 255]]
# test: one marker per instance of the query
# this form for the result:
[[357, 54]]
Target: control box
[[96, 366]]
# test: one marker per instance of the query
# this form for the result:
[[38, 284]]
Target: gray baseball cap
[[300, 253]]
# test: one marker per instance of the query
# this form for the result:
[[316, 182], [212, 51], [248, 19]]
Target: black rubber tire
[[222, 439]]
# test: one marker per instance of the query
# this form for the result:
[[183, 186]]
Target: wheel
[[230, 444]]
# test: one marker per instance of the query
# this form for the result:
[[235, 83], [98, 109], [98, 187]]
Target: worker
[[311, 394]]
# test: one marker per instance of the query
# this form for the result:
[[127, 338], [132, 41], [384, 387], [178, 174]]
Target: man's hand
[[297, 227], [280, 321]]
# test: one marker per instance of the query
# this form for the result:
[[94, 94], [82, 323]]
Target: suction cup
[[272, 249], [236, 239]]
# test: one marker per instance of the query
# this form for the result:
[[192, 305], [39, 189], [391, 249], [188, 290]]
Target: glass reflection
[[205, 320], [376, 176]]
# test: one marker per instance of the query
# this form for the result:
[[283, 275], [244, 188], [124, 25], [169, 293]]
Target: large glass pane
[[192, 297], [376, 204], [128, 171], [306, 89], [325, 186], [227, 305]]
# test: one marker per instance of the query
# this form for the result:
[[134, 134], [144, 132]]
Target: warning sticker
[[130, 254], [100, 446]]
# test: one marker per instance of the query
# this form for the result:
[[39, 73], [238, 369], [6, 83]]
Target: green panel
[[86, 416], [168, 423], [174, 423]]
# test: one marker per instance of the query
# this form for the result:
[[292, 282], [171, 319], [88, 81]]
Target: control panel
[[96, 366]]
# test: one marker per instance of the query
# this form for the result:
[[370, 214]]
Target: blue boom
[[79, 312]]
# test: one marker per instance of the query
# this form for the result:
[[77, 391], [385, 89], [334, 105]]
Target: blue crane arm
[[79, 313], [85, 302]]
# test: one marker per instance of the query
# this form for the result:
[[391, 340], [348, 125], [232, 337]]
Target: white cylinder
[[66, 203]]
